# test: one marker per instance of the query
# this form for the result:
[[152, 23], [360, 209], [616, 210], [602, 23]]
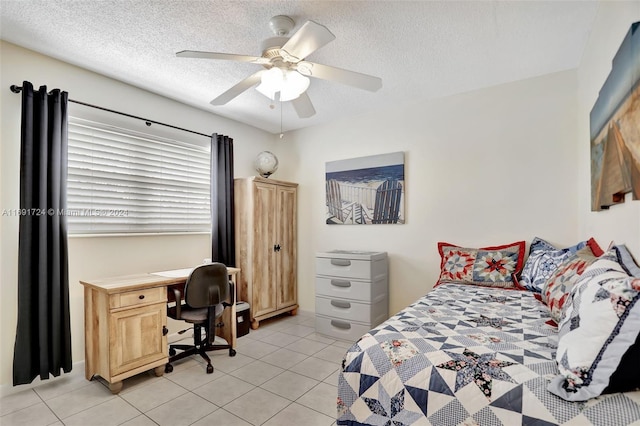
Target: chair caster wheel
[[232, 352], [209, 369], [168, 368], [172, 352]]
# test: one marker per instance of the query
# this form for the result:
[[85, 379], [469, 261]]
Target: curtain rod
[[17, 89]]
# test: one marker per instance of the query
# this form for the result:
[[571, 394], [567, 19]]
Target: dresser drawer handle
[[340, 304], [341, 283], [340, 262], [341, 324], [141, 297]]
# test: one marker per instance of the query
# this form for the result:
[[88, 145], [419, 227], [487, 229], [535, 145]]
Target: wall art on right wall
[[615, 128]]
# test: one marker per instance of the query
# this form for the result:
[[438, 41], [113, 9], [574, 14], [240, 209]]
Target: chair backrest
[[207, 285], [387, 206]]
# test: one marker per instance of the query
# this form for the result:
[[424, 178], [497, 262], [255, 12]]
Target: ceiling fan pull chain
[[281, 134]]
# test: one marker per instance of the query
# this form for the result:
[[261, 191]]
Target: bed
[[467, 355]]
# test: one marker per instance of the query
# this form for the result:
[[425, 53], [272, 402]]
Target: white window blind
[[123, 181]]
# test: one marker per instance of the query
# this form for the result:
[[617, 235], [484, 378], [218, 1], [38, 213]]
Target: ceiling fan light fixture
[[293, 86], [271, 82], [290, 84]]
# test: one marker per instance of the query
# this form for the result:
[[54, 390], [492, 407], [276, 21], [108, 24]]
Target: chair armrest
[[178, 296]]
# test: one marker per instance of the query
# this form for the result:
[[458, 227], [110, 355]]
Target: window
[[124, 181]]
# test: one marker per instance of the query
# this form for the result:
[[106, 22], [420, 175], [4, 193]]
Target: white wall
[[487, 167], [98, 256], [621, 223]]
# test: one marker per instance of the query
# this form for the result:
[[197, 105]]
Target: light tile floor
[[283, 374]]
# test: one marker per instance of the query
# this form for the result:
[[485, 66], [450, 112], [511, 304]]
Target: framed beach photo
[[615, 140], [365, 190]]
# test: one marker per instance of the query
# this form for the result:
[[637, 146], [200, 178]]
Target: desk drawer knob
[[141, 297]]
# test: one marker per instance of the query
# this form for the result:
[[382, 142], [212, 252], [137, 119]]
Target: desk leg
[[89, 350], [228, 332], [115, 387], [159, 371]]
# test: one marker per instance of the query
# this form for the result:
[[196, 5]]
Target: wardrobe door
[[264, 241], [287, 289]]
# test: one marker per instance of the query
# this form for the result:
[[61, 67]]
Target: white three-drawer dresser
[[352, 290]]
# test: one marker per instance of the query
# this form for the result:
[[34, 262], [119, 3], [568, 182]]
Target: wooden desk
[[125, 324]]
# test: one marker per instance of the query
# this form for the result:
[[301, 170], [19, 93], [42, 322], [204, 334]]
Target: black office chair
[[205, 294]]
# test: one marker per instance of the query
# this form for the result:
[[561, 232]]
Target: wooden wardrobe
[[265, 227]]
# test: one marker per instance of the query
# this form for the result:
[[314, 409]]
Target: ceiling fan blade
[[351, 78], [309, 38], [303, 106], [238, 88], [225, 56]]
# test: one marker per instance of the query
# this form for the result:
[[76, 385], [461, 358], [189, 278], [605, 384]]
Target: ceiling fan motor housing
[[271, 47], [281, 25]]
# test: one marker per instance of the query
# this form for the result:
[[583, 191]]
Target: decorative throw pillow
[[597, 332], [486, 266], [555, 290], [544, 259]]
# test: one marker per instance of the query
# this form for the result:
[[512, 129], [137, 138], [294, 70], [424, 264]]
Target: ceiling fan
[[286, 70]]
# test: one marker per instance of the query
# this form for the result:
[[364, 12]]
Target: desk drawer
[[138, 297]]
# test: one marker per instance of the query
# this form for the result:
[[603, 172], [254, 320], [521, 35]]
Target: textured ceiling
[[420, 49]]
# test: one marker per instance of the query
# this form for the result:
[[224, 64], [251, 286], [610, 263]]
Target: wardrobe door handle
[[340, 262], [341, 283], [340, 304], [341, 324]]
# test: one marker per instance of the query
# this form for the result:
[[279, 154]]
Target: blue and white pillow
[[543, 260], [601, 323]]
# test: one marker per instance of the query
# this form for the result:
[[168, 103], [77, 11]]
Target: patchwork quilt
[[466, 355]]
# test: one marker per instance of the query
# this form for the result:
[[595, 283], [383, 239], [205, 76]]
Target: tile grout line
[[47, 405]]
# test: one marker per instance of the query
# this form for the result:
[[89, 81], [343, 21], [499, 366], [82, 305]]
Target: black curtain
[[43, 335], [223, 247]]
